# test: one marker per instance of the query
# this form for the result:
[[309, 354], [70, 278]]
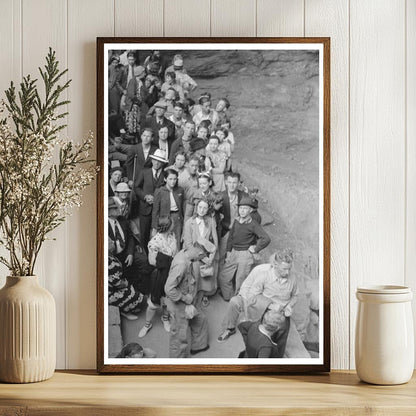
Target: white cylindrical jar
[[384, 337]]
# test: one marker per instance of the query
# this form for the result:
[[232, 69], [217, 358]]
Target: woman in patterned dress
[[120, 292]]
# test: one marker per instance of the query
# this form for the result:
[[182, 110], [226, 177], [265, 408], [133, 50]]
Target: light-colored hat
[[161, 104], [139, 71], [160, 155], [206, 245], [122, 187]]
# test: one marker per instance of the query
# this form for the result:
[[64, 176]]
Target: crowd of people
[[181, 225]]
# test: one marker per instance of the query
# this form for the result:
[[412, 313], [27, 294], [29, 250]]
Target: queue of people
[[182, 227]]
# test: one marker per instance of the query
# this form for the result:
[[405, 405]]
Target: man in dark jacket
[[168, 202], [136, 268], [149, 179]]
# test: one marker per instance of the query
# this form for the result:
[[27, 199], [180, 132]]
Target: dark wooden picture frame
[[170, 366]]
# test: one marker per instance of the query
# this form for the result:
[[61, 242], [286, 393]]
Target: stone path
[[158, 339]]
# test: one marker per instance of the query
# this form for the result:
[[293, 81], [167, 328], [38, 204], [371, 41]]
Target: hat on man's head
[[122, 187], [159, 155], [196, 144], [139, 71], [247, 201], [255, 203], [206, 245], [161, 104]]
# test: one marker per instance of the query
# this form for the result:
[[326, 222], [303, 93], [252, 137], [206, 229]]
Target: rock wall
[[275, 118], [275, 115]]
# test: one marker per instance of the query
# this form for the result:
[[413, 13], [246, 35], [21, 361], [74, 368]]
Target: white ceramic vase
[[27, 331], [384, 338]]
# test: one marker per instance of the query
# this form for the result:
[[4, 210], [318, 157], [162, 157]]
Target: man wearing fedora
[[148, 180], [122, 199], [135, 267], [246, 238], [159, 120], [182, 302]]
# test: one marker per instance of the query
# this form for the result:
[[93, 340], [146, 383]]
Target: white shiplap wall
[[373, 132]]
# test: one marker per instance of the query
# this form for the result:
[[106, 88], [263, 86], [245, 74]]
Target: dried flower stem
[[36, 194]]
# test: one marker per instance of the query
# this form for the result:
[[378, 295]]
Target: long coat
[[161, 203], [146, 185], [129, 242]]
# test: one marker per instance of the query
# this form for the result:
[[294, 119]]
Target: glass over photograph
[[213, 204]]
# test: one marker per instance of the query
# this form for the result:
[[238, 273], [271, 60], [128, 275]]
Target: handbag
[[206, 271]]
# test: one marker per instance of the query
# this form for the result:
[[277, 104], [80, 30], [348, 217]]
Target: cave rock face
[[274, 97]]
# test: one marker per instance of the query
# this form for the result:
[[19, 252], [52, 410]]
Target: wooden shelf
[[86, 393]]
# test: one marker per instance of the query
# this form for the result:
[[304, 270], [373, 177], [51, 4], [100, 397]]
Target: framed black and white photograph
[[213, 216]]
